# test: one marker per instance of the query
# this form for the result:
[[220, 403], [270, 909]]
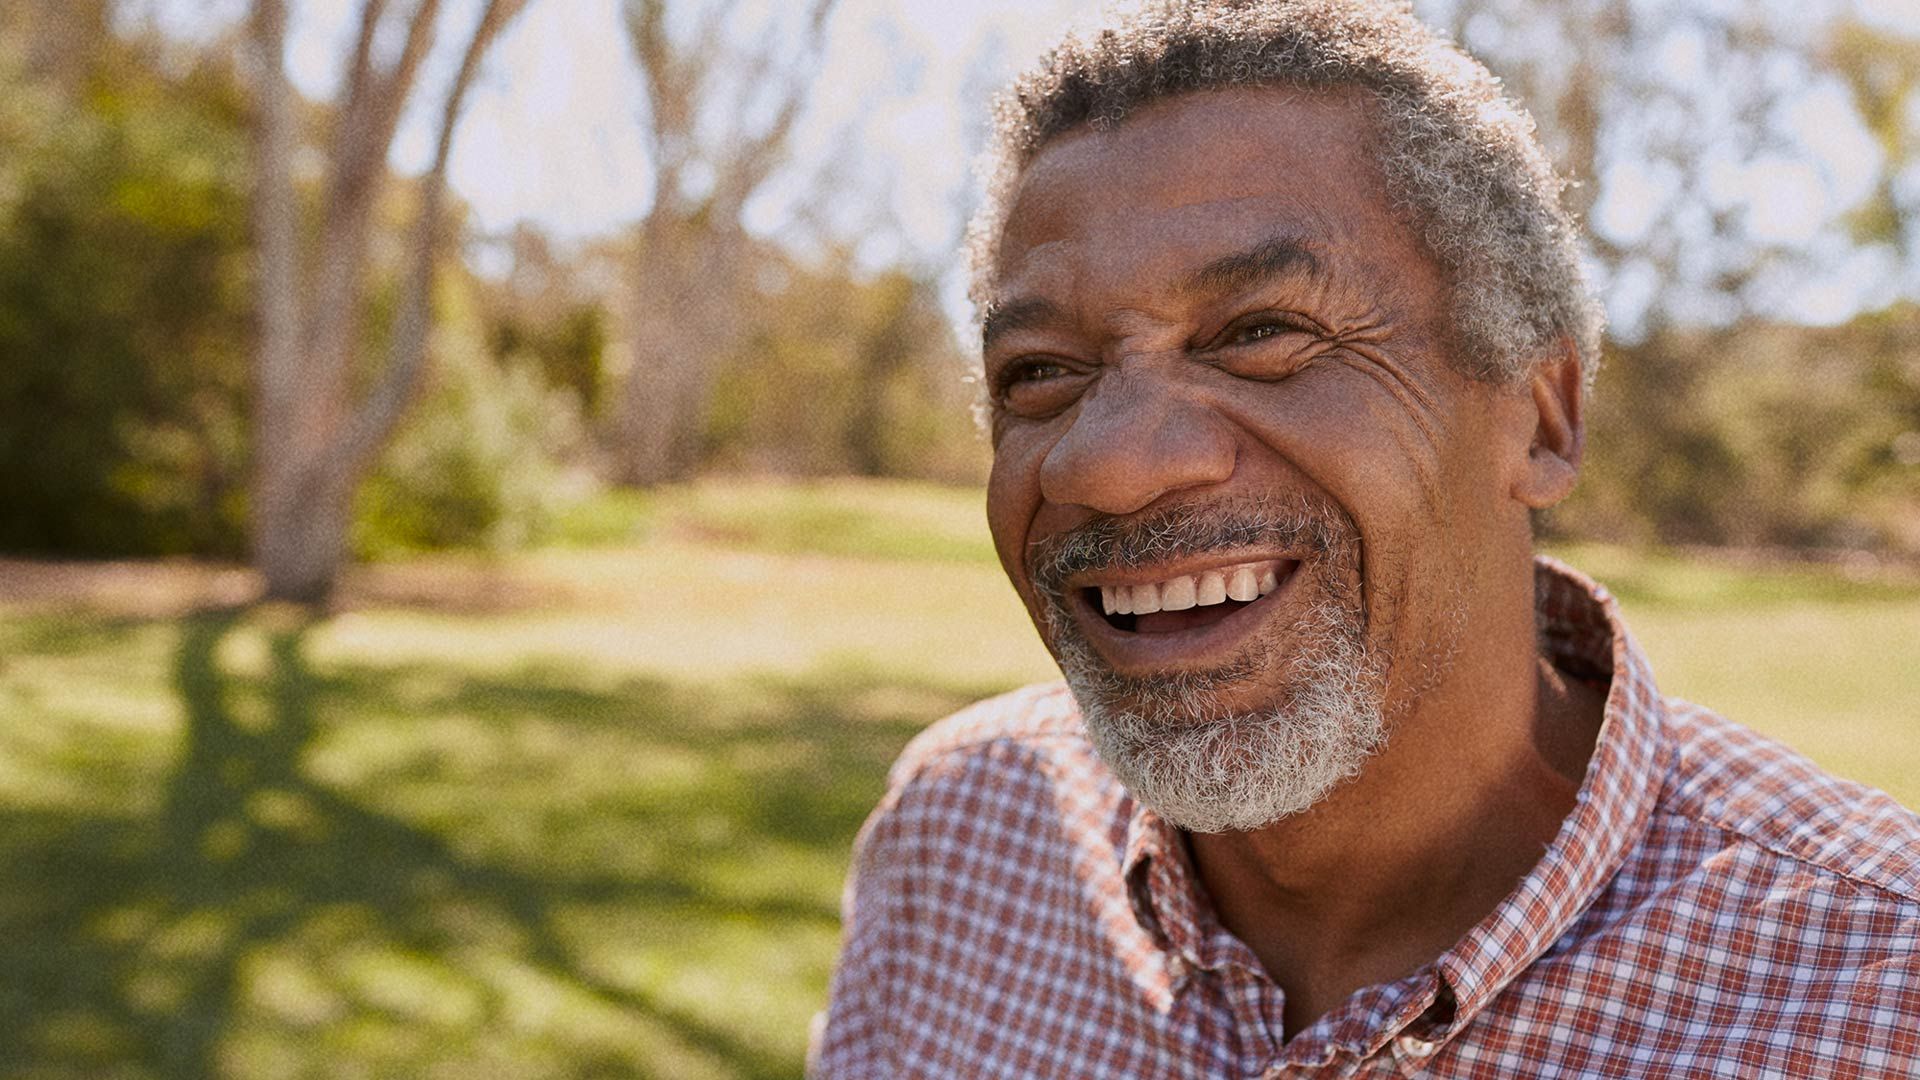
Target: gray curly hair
[[1457, 155]]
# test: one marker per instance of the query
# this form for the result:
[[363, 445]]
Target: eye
[[1035, 385], [1265, 345], [1258, 327], [1035, 369]]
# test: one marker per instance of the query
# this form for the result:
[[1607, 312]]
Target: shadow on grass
[[268, 923]]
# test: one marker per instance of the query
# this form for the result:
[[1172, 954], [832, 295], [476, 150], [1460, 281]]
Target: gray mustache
[[1300, 526]]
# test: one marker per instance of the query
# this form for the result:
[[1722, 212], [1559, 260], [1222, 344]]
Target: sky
[[552, 134]]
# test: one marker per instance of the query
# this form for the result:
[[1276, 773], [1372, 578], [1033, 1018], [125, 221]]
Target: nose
[[1135, 438]]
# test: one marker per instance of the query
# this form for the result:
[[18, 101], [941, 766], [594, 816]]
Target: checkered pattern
[[1714, 906]]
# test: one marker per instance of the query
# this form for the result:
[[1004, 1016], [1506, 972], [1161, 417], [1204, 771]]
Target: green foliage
[[610, 517], [123, 309], [478, 462], [1883, 71], [1765, 435], [568, 347], [546, 311], [845, 374]]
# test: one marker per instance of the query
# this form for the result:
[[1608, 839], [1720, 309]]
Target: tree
[[843, 372], [315, 434], [1717, 420], [1677, 121], [718, 119]]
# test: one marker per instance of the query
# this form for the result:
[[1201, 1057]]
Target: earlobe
[[1559, 437]]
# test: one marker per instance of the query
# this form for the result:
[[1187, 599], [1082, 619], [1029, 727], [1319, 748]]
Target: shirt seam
[[1746, 837]]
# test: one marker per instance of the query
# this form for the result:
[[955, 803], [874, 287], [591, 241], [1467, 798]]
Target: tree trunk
[[659, 408], [659, 441], [312, 441], [688, 319], [300, 535]]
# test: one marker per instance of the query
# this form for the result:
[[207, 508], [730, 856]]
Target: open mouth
[[1189, 601]]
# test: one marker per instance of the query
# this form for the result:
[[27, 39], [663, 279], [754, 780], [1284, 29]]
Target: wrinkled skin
[[1332, 383], [1216, 304]]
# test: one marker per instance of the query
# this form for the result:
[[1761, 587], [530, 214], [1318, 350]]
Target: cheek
[[1013, 495], [1355, 443]]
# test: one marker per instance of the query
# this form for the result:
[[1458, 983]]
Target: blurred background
[[487, 487]]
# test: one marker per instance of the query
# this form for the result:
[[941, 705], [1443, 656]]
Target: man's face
[[1236, 481]]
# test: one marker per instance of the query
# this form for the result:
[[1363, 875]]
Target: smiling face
[[1236, 481]]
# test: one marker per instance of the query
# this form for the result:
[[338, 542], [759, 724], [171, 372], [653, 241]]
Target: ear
[[1558, 390]]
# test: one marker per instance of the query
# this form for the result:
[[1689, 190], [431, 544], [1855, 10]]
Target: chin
[[1285, 707], [1206, 766]]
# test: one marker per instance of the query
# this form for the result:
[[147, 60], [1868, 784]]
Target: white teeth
[[1249, 581], [1146, 599], [1177, 595], [1212, 590]]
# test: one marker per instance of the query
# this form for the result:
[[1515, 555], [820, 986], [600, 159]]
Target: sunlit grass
[[594, 821], [844, 517]]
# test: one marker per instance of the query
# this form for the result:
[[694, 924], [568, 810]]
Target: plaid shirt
[[1714, 906]]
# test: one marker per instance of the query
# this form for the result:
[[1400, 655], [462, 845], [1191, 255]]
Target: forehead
[[1188, 178]]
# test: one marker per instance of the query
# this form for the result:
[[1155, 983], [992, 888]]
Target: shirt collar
[[1581, 630]]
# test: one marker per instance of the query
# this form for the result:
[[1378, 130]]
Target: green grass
[[587, 814], [1824, 660], [846, 517]]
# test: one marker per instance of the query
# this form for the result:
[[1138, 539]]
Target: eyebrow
[[1272, 258], [1018, 315], [1277, 256]]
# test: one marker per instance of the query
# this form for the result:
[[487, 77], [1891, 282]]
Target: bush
[[478, 462], [845, 374], [123, 310], [1762, 435]]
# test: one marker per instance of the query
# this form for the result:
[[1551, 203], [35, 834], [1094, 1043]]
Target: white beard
[[1208, 770]]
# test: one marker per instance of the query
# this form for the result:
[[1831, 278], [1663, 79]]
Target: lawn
[[585, 812]]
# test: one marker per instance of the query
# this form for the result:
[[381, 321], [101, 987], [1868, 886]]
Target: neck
[[1397, 865]]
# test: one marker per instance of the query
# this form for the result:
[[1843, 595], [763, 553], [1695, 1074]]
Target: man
[[1285, 340]]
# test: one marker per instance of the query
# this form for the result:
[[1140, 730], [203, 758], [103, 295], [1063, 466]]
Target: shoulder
[[1766, 917], [986, 909], [1040, 716], [1005, 766], [1762, 794]]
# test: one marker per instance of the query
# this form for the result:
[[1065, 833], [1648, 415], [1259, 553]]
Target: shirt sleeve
[[853, 1038]]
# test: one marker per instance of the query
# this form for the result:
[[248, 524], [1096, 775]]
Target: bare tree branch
[[275, 214], [759, 154], [359, 168], [397, 84], [360, 65], [371, 110], [665, 79], [376, 418]]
